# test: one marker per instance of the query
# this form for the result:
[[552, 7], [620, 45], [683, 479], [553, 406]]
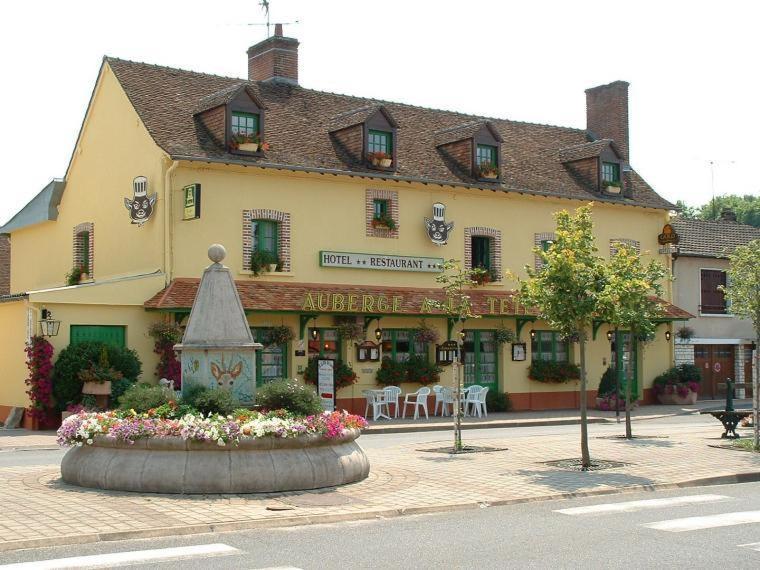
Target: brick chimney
[[607, 114], [274, 59], [727, 215]]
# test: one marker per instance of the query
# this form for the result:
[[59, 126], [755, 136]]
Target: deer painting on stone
[[225, 377]]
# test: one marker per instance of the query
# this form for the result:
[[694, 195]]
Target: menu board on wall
[[326, 383]]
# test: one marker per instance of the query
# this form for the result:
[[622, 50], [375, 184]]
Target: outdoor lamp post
[[49, 326]]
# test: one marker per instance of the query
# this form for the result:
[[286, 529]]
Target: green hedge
[[553, 372], [67, 388]]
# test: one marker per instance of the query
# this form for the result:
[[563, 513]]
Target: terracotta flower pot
[[674, 399], [386, 162], [97, 388]]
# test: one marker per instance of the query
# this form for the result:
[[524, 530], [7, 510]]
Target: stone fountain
[[217, 349]]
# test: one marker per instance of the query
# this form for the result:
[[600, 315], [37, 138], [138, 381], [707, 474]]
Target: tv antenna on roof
[[265, 6]]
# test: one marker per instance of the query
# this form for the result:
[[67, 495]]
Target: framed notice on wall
[[326, 383], [518, 351], [192, 202]]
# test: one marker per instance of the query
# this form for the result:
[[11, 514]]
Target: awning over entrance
[[267, 296]]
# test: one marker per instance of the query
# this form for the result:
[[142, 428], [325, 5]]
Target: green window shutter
[[380, 208], [265, 236], [245, 123], [485, 154], [610, 172], [546, 244], [84, 237], [109, 334], [481, 252], [380, 141]]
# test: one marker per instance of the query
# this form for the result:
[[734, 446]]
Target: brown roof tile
[[299, 120], [268, 296], [711, 238], [586, 150]]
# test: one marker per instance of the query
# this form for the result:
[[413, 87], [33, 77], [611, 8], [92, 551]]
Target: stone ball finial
[[216, 252]]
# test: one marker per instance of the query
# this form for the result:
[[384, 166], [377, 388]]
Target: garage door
[[109, 334]]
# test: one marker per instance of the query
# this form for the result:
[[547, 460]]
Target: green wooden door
[[115, 335], [624, 359], [481, 363]]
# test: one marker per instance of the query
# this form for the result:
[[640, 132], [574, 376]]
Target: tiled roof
[[269, 296], [586, 150], [466, 131], [221, 97], [299, 120], [711, 238], [356, 116]]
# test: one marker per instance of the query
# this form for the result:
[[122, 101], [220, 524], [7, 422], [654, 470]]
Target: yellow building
[[353, 201]]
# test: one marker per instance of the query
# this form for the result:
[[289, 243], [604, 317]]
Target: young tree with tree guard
[[627, 301], [566, 290]]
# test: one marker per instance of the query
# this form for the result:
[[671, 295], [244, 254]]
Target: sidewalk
[[19, 439], [40, 510]]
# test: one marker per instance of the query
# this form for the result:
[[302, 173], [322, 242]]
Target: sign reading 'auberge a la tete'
[[380, 261]]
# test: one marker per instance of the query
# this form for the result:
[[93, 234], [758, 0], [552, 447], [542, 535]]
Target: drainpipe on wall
[[168, 244]]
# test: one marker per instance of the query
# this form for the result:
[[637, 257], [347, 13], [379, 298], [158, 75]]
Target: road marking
[[132, 557], [632, 506], [753, 546], [711, 521]]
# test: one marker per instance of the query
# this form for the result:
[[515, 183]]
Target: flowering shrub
[[425, 334], [166, 335], [83, 428], [678, 380], [555, 372], [611, 402], [344, 374], [39, 354]]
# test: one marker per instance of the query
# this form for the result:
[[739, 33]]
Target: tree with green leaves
[[743, 292], [627, 301], [456, 280], [686, 211], [746, 208], [566, 290]]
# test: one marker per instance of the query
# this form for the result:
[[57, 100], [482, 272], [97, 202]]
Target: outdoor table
[[377, 411]]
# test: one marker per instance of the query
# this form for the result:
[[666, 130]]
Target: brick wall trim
[[635, 244], [78, 247], [537, 239], [283, 235], [495, 236]]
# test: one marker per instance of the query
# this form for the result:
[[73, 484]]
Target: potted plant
[[76, 275], [481, 276], [685, 333], [425, 334], [384, 221], [343, 373], [503, 335], [391, 373], [553, 372], [263, 261], [612, 186], [381, 159], [244, 141], [349, 329], [488, 170], [679, 385], [96, 378], [419, 370], [279, 336]]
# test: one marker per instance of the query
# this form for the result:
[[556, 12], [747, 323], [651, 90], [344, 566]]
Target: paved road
[[701, 527]]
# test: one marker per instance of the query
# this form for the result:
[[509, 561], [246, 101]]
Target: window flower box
[[249, 147], [612, 187], [380, 159], [487, 171], [384, 222]]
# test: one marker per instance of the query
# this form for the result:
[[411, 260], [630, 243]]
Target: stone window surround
[[77, 247], [635, 244], [537, 239], [495, 236], [369, 212], [283, 235]]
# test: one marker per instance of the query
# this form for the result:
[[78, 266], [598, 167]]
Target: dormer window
[[380, 148], [245, 123], [486, 161], [234, 118], [610, 173]]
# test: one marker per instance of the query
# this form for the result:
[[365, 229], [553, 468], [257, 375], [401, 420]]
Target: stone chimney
[[607, 114], [274, 59], [727, 215]]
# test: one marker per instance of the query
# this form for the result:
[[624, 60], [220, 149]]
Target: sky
[[692, 67]]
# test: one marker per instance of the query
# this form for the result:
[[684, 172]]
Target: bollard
[[729, 395]]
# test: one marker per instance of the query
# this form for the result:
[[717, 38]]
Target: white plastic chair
[[446, 399], [438, 399], [472, 397], [392, 394], [419, 400], [376, 401], [479, 406]]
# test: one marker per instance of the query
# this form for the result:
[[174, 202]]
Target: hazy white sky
[[692, 68]]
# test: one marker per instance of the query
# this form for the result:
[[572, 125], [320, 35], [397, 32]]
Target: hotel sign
[[380, 261], [192, 202]]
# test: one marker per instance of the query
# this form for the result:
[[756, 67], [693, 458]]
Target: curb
[[292, 521], [412, 428]]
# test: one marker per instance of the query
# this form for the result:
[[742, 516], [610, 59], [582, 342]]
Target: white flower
[[220, 442]]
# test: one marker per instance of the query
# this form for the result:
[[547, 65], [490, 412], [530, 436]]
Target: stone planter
[[174, 465], [490, 175], [674, 399], [97, 388], [249, 147], [386, 162], [613, 189]]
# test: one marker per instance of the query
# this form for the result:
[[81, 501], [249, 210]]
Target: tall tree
[[746, 208], [566, 289], [686, 211], [455, 281], [743, 292], [627, 302]]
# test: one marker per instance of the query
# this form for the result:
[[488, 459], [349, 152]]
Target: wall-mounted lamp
[[48, 326], [379, 334], [314, 334], [462, 335], [532, 334], [668, 336], [610, 335], [327, 346]]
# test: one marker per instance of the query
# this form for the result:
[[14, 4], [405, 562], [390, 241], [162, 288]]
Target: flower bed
[[249, 452]]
